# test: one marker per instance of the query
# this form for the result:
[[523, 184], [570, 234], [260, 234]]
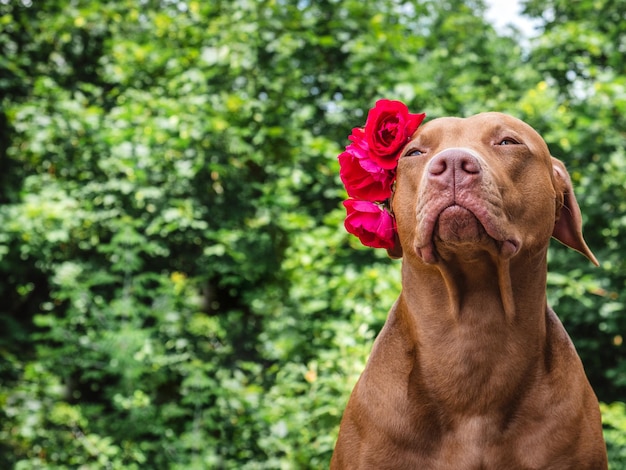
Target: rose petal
[[413, 122], [373, 225], [363, 178]]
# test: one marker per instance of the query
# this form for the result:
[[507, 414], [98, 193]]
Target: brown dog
[[472, 369]]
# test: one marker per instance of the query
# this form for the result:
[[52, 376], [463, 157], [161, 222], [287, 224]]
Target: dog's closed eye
[[508, 141], [414, 153]]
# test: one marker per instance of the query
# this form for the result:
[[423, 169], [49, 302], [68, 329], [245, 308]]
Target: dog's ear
[[396, 251], [568, 226]]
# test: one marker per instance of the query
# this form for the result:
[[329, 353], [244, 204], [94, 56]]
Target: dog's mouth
[[459, 228], [457, 224]]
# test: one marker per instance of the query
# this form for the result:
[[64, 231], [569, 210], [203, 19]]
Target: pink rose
[[363, 178], [373, 225], [388, 128]]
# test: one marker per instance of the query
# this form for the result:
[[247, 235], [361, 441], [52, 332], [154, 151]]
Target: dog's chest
[[467, 444]]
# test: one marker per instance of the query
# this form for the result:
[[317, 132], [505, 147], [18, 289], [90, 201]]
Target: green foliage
[[178, 290], [614, 420]]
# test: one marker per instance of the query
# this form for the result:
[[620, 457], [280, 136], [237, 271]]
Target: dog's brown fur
[[472, 369]]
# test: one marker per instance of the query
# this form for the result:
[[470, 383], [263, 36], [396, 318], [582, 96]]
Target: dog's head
[[486, 184]]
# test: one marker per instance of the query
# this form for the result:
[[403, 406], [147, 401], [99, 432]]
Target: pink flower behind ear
[[388, 128], [373, 225], [362, 177]]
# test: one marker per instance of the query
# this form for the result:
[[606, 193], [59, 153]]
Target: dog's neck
[[458, 286], [468, 314]]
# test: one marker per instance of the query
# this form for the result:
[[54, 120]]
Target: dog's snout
[[454, 167]]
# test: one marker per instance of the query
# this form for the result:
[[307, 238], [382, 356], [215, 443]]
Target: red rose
[[373, 225], [368, 169], [388, 128], [363, 178]]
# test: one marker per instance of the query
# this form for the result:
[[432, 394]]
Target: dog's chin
[[457, 225], [458, 232]]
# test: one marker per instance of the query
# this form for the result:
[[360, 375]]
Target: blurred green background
[[177, 287]]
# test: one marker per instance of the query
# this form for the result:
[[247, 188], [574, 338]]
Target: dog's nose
[[454, 167]]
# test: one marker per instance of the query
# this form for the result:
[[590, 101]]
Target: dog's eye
[[414, 153], [508, 141]]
